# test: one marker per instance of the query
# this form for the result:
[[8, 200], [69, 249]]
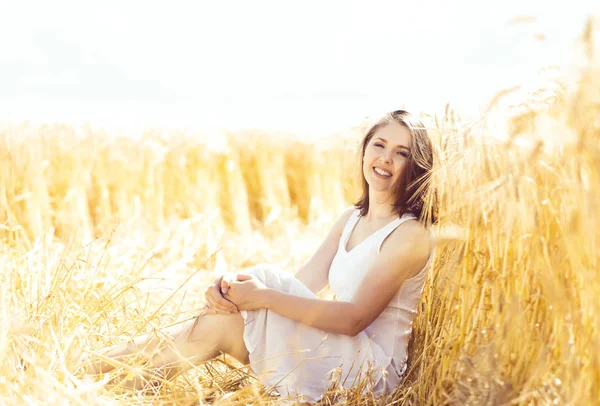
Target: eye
[[404, 154], [378, 144]]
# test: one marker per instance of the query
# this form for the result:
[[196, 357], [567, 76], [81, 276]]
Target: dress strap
[[352, 220], [387, 230]]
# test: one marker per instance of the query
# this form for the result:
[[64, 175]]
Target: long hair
[[412, 192]]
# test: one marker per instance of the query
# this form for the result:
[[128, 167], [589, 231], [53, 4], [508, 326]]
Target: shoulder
[[410, 242], [337, 229], [348, 211], [343, 219], [412, 229]]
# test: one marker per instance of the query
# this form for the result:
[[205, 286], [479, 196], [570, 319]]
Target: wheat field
[[103, 236]]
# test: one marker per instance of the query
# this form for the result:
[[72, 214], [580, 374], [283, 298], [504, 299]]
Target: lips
[[381, 173]]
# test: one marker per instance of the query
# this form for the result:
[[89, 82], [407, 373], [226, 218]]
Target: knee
[[207, 331], [224, 333]]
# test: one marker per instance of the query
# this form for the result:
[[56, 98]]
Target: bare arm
[[315, 273], [403, 255]]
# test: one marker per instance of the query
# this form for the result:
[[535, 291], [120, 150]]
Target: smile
[[382, 173]]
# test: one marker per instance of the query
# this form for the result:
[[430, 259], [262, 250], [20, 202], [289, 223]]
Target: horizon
[[313, 68]]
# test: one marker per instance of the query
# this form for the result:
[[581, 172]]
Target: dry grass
[[105, 236]]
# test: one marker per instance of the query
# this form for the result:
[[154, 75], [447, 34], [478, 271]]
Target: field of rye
[[104, 236]]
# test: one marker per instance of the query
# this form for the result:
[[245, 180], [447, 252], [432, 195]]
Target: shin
[[165, 353]]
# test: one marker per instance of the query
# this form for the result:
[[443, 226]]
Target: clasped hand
[[233, 292]]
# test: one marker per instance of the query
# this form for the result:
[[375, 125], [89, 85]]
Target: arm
[[315, 273], [403, 255]]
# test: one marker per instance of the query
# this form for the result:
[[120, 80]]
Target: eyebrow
[[399, 145]]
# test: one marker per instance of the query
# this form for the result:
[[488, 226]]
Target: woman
[[374, 258]]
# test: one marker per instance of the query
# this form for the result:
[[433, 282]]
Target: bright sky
[[300, 65]]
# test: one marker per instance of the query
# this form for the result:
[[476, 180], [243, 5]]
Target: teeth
[[382, 172]]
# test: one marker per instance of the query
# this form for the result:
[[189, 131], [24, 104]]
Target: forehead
[[394, 133]]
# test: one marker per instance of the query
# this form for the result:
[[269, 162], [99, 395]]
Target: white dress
[[296, 359]]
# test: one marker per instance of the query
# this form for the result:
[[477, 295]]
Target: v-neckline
[[345, 245]]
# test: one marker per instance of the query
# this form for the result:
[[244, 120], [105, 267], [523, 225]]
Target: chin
[[377, 187]]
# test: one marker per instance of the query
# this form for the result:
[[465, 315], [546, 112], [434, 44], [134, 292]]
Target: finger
[[214, 303], [223, 303], [219, 307], [229, 278], [223, 312], [207, 291], [217, 311], [210, 302], [212, 310], [243, 277], [224, 285], [231, 307], [208, 310], [229, 299], [216, 283], [213, 289], [220, 298]]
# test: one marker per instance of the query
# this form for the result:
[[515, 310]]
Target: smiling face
[[385, 157], [397, 158]]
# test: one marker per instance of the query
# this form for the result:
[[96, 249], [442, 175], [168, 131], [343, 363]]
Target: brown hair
[[412, 191]]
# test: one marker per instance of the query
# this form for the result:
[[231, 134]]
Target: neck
[[380, 207]]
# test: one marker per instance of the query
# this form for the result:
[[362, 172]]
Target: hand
[[216, 303], [247, 292]]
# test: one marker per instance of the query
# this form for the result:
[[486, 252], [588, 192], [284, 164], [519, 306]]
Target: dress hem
[[248, 317]]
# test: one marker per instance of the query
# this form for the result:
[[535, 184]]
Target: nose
[[386, 158]]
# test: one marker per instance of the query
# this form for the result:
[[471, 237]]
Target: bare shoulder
[[333, 237], [410, 242], [343, 219]]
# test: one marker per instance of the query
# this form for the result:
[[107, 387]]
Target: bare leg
[[180, 347]]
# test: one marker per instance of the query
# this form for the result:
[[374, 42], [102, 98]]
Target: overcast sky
[[272, 64]]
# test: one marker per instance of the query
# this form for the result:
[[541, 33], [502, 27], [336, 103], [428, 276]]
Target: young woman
[[375, 260]]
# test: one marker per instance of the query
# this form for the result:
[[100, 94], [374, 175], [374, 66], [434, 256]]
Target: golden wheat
[[105, 236]]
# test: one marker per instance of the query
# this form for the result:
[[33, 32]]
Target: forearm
[[331, 316], [311, 279]]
